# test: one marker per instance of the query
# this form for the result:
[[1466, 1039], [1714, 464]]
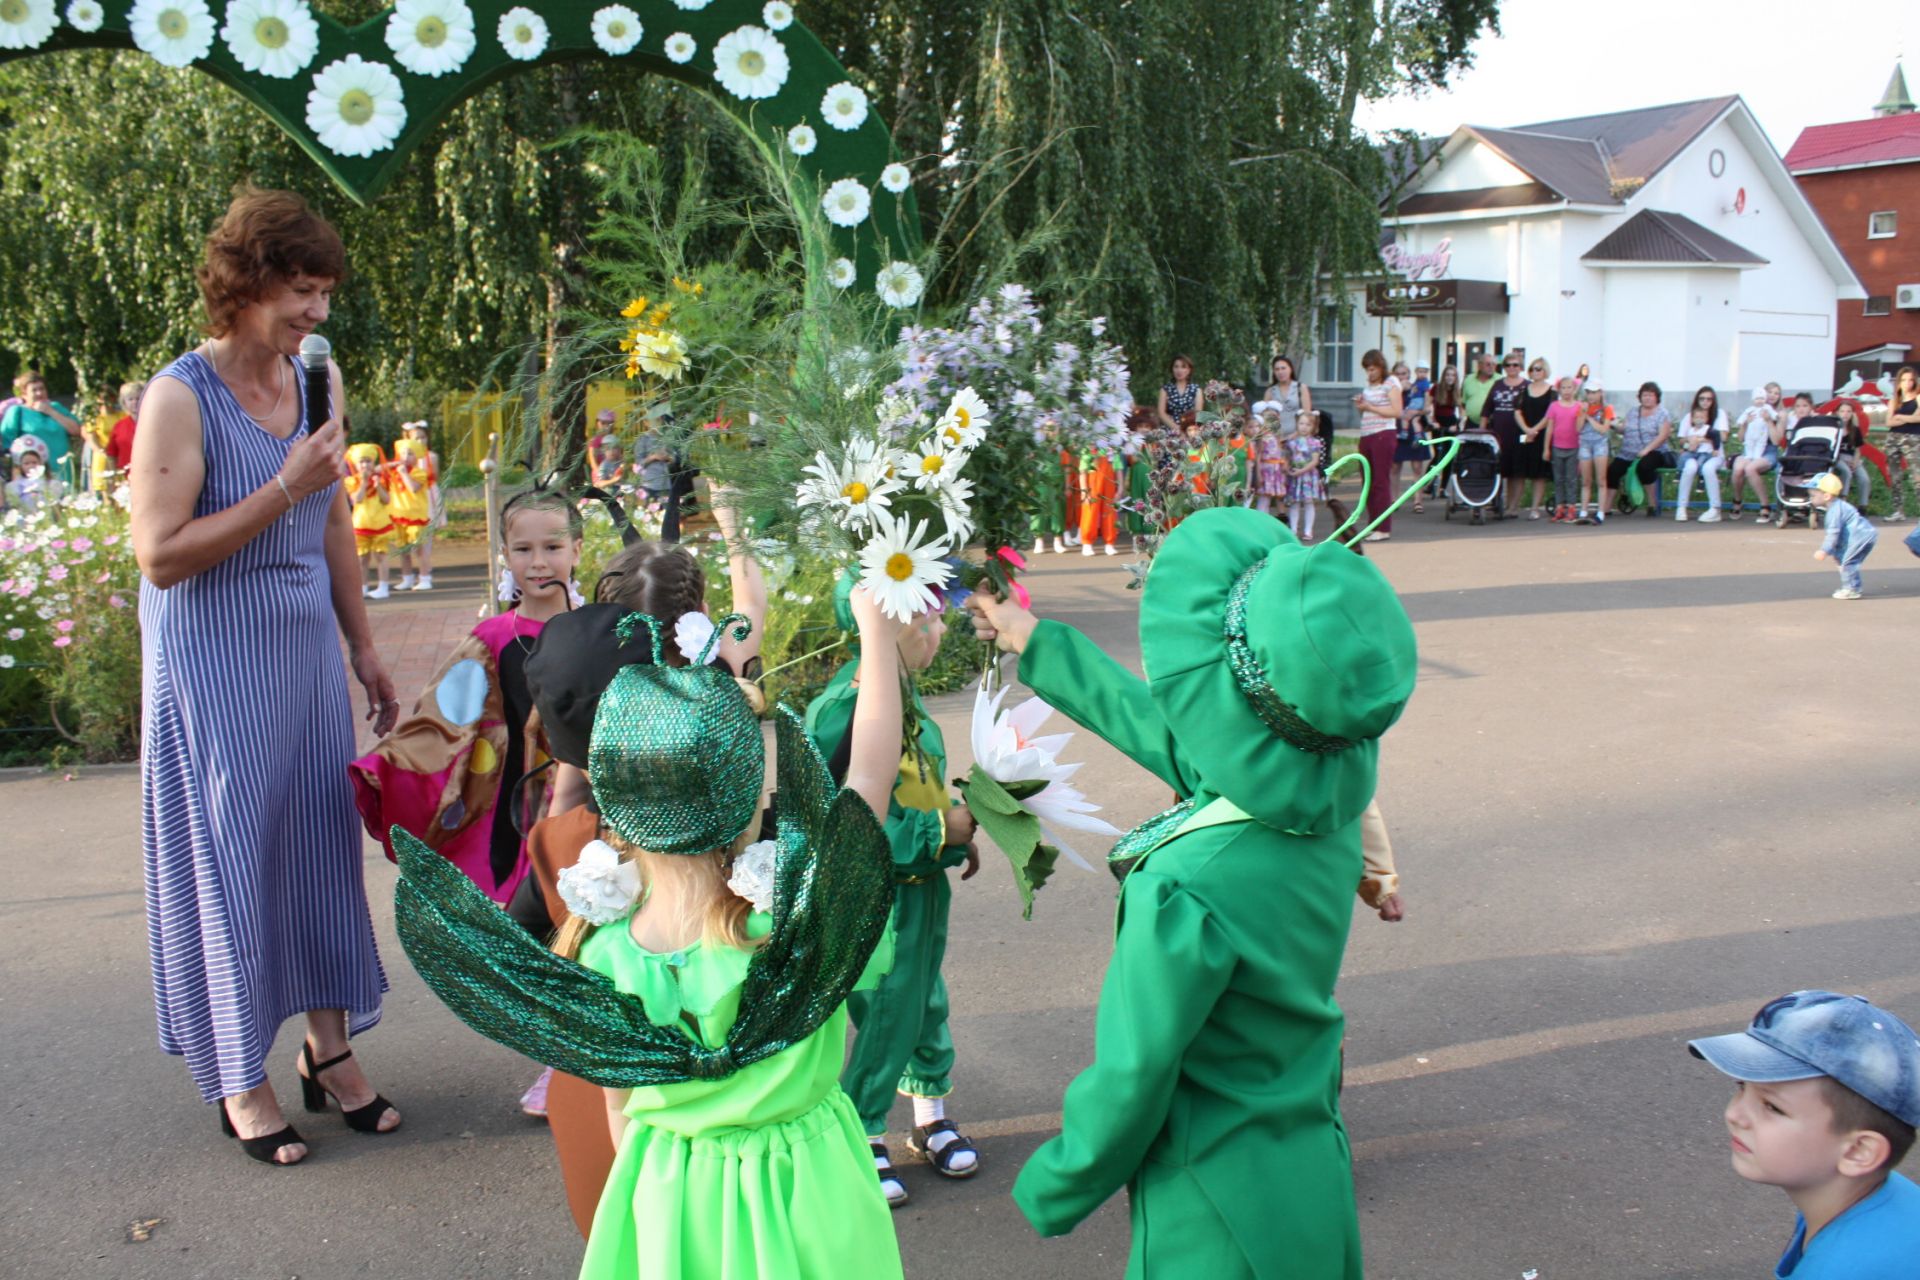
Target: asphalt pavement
[[1651, 777]]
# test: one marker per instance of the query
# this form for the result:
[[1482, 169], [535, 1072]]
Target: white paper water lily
[[174, 33], [752, 875], [899, 284], [692, 632], [844, 107], [801, 139], [842, 273], [600, 888], [616, 29], [750, 62], [896, 178], [681, 47], [26, 24], [847, 203], [356, 107], [275, 38], [431, 37], [523, 33], [1008, 747], [777, 14], [900, 566], [85, 15]]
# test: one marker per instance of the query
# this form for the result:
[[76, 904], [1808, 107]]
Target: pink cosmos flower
[[105, 574], [112, 540], [63, 642], [83, 544], [57, 574], [64, 625], [116, 602], [58, 544]]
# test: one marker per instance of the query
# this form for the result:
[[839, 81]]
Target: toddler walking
[[1850, 535], [1306, 487]]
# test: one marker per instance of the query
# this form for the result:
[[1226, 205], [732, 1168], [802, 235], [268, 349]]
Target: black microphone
[[314, 351]]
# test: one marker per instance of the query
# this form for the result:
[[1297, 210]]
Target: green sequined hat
[[1276, 667], [677, 760]]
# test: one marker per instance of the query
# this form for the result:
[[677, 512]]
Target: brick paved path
[[413, 631]]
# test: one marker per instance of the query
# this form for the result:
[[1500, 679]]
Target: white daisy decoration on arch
[[356, 107], [681, 47], [26, 24], [85, 15], [844, 107], [778, 15], [174, 33], [801, 139], [431, 37], [750, 63], [692, 6], [900, 284], [896, 178], [617, 30], [847, 203], [274, 38], [522, 33], [842, 273], [901, 566]]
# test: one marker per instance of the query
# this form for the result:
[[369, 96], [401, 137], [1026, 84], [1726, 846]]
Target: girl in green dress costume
[[1272, 670], [709, 997]]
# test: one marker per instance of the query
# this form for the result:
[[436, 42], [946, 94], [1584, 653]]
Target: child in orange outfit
[[1099, 489]]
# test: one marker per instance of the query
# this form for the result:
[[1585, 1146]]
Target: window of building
[[1879, 304], [1336, 344], [1883, 225]]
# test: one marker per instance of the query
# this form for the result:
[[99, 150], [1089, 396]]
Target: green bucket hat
[[677, 759], [1276, 667]]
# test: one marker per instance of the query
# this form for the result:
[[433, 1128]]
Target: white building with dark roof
[[1668, 243]]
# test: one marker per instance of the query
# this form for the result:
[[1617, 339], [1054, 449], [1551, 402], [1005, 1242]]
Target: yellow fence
[[467, 417]]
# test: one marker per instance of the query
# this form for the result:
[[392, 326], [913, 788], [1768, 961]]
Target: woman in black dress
[[1533, 464]]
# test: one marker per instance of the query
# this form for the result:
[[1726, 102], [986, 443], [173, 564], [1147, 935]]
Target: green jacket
[[1213, 1093], [916, 835]]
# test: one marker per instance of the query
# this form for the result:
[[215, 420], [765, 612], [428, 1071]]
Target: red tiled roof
[[1886, 140]]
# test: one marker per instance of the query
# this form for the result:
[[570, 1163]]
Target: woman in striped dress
[[255, 906]]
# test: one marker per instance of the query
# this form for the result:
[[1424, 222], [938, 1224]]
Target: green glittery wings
[[833, 891]]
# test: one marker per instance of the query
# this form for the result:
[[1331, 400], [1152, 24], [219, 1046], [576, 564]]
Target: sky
[[1796, 64]]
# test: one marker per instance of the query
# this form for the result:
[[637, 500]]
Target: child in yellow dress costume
[[372, 516]]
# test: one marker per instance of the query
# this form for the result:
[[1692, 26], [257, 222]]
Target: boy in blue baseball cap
[[1826, 1103]]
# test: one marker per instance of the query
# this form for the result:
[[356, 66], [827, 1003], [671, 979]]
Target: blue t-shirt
[[1877, 1239]]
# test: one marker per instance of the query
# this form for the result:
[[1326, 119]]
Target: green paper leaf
[[1014, 830]]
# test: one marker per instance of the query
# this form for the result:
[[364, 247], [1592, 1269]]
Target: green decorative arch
[[324, 65]]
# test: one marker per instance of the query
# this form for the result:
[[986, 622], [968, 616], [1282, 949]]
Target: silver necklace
[[213, 358]]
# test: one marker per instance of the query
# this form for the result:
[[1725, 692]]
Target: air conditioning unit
[[1907, 297]]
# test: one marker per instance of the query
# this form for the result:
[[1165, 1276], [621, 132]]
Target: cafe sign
[[1427, 297]]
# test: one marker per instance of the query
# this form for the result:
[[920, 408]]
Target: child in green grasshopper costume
[[903, 1044], [1272, 670], [1049, 494]]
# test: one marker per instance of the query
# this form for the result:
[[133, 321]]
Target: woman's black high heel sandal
[[265, 1147], [314, 1094]]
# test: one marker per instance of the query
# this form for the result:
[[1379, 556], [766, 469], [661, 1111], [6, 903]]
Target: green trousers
[[903, 1045]]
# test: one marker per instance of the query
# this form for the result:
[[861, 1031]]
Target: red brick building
[[1863, 177]]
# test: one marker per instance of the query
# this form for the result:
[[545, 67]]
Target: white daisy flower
[[692, 6], [858, 490], [899, 284], [616, 29], [956, 506], [174, 33], [932, 465], [276, 38], [801, 139], [842, 273], [900, 569], [356, 107], [963, 425], [431, 37], [750, 63], [896, 178], [522, 33], [26, 24], [85, 15], [6, 660], [845, 107], [778, 15], [681, 47], [847, 203]]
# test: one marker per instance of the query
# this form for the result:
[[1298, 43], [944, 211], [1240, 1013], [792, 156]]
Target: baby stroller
[[1812, 448], [1473, 481]]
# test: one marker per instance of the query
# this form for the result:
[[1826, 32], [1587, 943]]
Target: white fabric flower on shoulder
[[845, 107], [681, 47], [85, 15], [523, 33], [896, 178], [801, 139], [847, 203], [26, 24], [275, 38], [750, 62], [356, 107], [899, 284], [842, 273], [617, 29], [753, 870], [778, 15], [174, 33], [600, 888], [692, 632], [431, 37]]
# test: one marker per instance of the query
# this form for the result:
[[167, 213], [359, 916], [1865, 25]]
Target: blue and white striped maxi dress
[[256, 907]]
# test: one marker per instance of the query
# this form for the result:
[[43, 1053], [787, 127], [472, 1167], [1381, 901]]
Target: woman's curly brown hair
[[264, 240]]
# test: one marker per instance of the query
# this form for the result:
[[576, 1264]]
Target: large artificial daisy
[[899, 284], [85, 15], [174, 33], [616, 29], [858, 490], [681, 47], [356, 107], [963, 425], [896, 178], [26, 24], [778, 15], [847, 203], [523, 33], [842, 273], [276, 38], [431, 37], [750, 63], [801, 139], [845, 107], [901, 570]]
